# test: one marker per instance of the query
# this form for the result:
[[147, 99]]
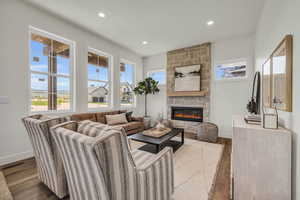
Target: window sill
[[102, 109], [128, 107], [62, 112]]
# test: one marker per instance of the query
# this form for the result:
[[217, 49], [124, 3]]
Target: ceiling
[[165, 24]]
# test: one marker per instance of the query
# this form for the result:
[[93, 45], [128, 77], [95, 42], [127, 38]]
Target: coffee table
[[154, 145]]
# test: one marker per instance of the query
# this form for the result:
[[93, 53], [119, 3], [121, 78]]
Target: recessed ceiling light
[[210, 23], [101, 14], [144, 42]]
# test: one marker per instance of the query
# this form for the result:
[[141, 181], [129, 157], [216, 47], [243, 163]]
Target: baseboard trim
[[225, 134], [15, 157]]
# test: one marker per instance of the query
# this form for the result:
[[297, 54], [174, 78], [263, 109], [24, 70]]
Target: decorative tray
[[154, 132]]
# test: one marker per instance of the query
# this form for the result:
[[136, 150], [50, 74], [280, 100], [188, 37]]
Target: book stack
[[253, 119]]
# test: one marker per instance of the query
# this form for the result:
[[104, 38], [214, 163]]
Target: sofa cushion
[[100, 117], [84, 116], [131, 125], [116, 119]]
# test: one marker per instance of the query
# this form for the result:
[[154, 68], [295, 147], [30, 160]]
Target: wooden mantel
[[188, 94]]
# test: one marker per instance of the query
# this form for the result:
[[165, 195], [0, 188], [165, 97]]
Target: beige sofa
[[135, 125]]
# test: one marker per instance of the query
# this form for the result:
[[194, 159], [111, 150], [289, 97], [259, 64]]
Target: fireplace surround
[[195, 55]]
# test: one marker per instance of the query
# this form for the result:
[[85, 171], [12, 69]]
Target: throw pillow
[[116, 119], [129, 116]]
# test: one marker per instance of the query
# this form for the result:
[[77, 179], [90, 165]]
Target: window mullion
[[50, 78]]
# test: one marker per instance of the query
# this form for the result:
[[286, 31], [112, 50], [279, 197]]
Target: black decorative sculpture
[[253, 105]]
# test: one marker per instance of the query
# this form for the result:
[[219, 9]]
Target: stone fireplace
[[195, 55]]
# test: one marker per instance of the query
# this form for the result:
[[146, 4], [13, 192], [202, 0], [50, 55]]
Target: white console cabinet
[[261, 162]]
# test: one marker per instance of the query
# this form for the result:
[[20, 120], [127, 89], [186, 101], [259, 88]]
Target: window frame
[[229, 62], [134, 105], [109, 78], [158, 70], [72, 44]]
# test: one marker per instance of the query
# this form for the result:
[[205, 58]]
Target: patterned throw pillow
[[116, 119]]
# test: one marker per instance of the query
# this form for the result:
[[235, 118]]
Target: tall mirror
[[282, 73], [277, 77]]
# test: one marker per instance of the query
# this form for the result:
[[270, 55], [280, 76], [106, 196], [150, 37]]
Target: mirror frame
[[269, 101], [288, 40]]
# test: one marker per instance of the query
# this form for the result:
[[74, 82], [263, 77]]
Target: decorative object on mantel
[[270, 120], [187, 78], [207, 132]]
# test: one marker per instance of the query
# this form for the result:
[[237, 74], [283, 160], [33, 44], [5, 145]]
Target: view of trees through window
[[158, 75], [127, 83], [98, 83], [50, 74]]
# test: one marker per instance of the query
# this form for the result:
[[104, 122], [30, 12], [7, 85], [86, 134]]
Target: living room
[[89, 64]]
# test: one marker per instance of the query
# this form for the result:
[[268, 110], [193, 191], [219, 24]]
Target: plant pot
[[147, 122]]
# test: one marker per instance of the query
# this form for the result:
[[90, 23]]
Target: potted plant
[[148, 86]]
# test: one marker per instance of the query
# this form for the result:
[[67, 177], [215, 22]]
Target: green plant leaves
[[148, 86]]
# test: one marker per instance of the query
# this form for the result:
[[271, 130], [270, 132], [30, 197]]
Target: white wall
[[157, 104], [227, 97], [15, 18], [230, 97], [278, 19]]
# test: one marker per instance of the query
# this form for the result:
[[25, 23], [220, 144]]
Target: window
[[231, 70], [127, 83], [98, 79], [51, 67], [158, 75]]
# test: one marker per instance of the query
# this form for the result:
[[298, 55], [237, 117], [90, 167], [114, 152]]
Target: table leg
[[157, 148], [182, 137]]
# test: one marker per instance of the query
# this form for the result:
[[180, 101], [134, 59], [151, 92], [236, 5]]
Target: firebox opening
[[187, 114]]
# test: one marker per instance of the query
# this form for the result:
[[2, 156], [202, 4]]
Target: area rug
[[4, 192], [196, 166]]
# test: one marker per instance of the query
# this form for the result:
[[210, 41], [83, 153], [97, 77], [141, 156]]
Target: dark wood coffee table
[[154, 145]]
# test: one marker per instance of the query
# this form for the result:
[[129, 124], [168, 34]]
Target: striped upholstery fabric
[[94, 129], [91, 128], [84, 174], [49, 163], [103, 167]]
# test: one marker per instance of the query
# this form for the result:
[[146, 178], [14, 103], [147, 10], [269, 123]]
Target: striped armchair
[[49, 163], [103, 167]]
